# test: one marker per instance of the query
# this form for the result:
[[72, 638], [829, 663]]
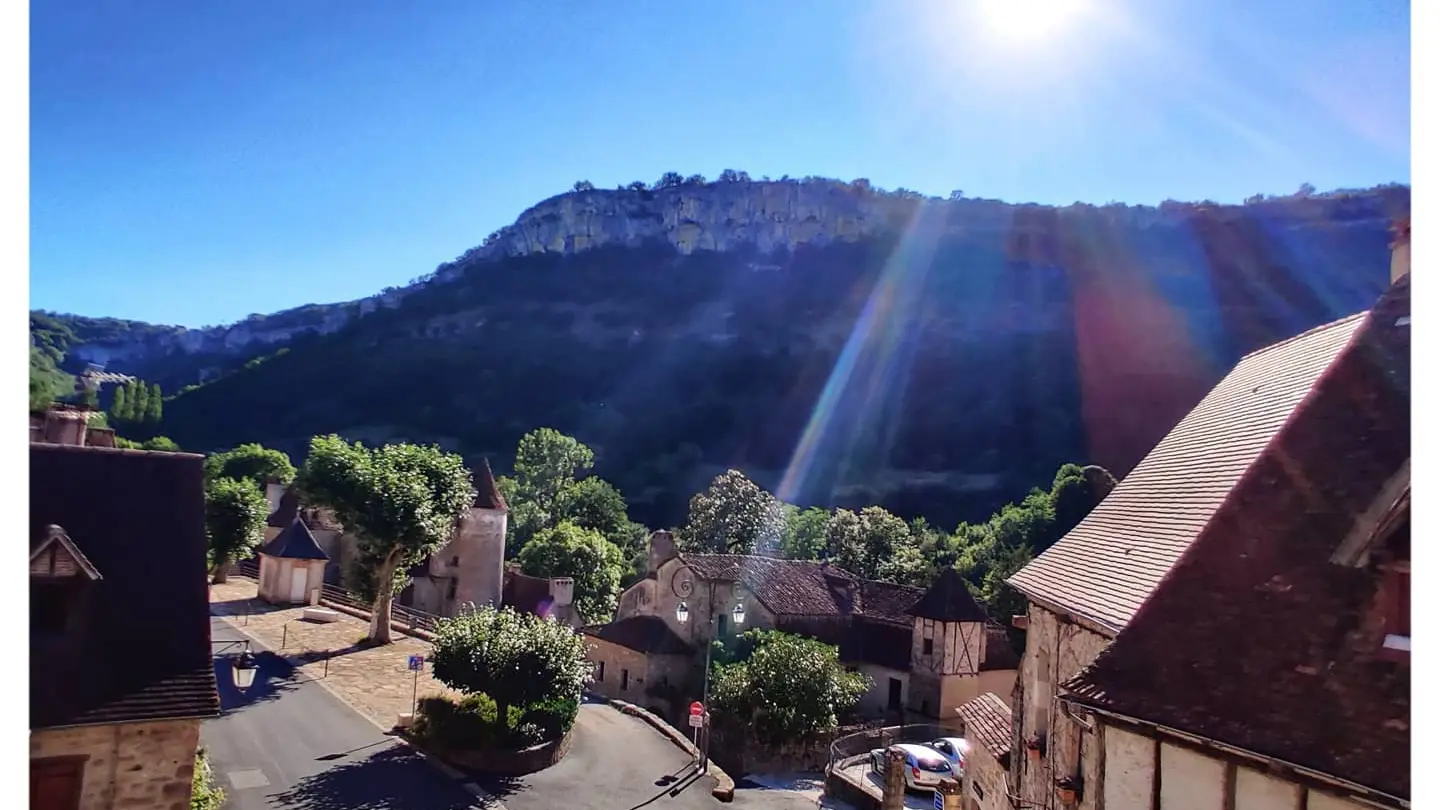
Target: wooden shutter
[[55, 784]]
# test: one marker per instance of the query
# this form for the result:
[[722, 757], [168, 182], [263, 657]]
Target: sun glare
[[1028, 22]]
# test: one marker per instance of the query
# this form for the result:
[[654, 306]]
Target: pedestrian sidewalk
[[375, 681]]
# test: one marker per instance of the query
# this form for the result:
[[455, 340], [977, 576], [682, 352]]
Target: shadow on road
[[385, 780], [272, 680]]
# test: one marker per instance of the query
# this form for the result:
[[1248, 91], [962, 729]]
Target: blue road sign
[[417, 663]]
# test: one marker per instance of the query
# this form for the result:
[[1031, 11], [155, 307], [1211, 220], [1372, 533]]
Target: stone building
[[925, 652], [639, 659], [292, 567], [467, 570], [1190, 642], [121, 673], [988, 728], [68, 424]]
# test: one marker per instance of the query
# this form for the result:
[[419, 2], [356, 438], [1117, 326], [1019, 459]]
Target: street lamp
[[682, 588], [245, 668]]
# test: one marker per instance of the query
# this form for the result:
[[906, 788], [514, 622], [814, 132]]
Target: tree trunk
[[502, 714], [220, 573], [380, 611]]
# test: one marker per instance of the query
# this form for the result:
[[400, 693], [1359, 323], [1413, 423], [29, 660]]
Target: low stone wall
[[724, 784], [500, 763], [738, 750], [841, 789]]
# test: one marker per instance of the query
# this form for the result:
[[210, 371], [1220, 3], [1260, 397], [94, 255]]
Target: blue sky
[[193, 163]]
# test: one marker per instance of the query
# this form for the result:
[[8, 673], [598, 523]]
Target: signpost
[[697, 721], [416, 663]]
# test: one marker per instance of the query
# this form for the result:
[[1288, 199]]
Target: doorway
[[893, 704], [299, 578]]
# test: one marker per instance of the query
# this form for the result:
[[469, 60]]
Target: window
[[600, 671], [624, 679], [721, 624], [451, 588], [893, 702], [977, 790], [455, 561], [927, 647]]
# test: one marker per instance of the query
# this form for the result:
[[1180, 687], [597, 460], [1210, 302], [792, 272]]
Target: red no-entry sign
[[697, 708]]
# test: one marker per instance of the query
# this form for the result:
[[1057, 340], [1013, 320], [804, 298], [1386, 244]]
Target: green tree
[[119, 405], [876, 545], [763, 691], [593, 503], [137, 401], [547, 463], [235, 512], [517, 659], [164, 443], [400, 501], [596, 565], [733, 516], [803, 537], [252, 462], [669, 180], [154, 404], [584, 185]]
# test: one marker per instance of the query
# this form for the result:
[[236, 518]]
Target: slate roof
[[1109, 564], [806, 587], [646, 634], [487, 494], [949, 600], [1256, 639], [988, 724], [999, 651], [524, 593], [142, 648], [295, 542]]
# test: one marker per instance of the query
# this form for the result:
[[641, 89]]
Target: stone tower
[[476, 557], [956, 652]]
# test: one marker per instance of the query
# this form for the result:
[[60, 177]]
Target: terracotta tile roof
[[949, 600], [295, 542], [646, 634], [988, 724], [487, 494], [888, 602], [139, 518], [1108, 565], [524, 593], [1256, 639], [806, 587]]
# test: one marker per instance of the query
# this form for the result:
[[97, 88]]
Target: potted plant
[[1067, 788], [1035, 746]]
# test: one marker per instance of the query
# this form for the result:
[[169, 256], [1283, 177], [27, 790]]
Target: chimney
[[1400, 249], [562, 590], [64, 424], [662, 549]]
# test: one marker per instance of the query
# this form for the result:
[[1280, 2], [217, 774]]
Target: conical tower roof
[[487, 494]]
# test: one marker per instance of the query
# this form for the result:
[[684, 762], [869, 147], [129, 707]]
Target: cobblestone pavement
[[375, 681]]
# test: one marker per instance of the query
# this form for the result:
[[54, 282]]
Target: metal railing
[[411, 618]]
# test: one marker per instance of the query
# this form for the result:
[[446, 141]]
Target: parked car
[[924, 766], [954, 749]]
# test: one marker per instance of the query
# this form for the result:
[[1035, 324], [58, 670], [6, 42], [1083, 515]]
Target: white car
[[954, 749], [924, 766]]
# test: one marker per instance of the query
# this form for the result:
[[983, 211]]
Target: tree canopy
[[401, 502], [596, 565], [733, 516], [235, 512], [252, 462]]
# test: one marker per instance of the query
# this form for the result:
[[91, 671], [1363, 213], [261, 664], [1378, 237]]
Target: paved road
[[288, 743]]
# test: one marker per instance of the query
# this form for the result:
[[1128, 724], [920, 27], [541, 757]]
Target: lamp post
[[683, 588], [243, 666]]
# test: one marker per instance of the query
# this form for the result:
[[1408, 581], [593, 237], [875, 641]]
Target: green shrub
[[204, 794], [471, 722], [553, 718]]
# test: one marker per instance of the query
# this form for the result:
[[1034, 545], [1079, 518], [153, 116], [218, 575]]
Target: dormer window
[[59, 573]]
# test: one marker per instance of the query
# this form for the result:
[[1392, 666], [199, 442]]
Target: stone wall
[[648, 675], [736, 750], [130, 766]]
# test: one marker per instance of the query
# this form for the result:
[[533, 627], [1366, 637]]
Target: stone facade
[[127, 766], [1056, 649], [635, 677], [653, 596]]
